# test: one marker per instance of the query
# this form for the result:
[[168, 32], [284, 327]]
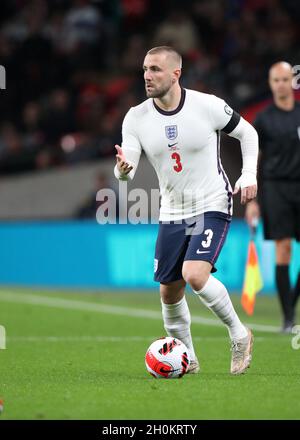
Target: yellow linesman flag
[[253, 282]]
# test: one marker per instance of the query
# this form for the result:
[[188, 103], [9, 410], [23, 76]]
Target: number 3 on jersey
[[178, 166]]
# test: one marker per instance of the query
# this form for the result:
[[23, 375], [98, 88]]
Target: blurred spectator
[[81, 35], [13, 156], [179, 31], [58, 118], [34, 55], [88, 208], [134, 15], [90, 103], [82, 26], [31, 126], [73, 66], [134, 54], [79, 147]]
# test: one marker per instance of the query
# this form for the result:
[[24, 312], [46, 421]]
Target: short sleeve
[[223, 116]]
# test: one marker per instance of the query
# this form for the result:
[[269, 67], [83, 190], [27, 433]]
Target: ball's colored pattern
[[167, 358]]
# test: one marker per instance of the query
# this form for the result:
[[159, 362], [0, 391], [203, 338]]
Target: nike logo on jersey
[[172, 145], [202, 252]]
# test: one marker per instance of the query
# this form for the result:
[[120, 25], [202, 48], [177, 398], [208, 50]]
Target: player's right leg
[[170, 249], [177, 318]]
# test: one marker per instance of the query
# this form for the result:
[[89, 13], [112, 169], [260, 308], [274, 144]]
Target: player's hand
[[123, 166], [248, 186], [252, 213]]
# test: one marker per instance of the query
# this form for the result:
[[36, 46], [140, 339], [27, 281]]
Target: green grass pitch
[[81, 356]]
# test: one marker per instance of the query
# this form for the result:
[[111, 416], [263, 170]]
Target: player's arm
[[227, 120], [129, 155], [252, 211], [247, 183]]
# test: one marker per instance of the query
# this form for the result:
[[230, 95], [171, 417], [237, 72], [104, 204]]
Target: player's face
[[280, 80], [158, 75]]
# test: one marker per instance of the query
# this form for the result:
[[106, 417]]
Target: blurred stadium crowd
[[74, 67]]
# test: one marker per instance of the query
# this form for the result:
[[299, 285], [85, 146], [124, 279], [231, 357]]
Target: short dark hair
[[170, 50]]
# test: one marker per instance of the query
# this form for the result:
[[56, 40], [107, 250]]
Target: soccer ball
[[167, 358]]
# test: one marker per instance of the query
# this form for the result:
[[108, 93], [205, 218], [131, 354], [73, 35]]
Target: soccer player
[[278, 127], [179, 131]]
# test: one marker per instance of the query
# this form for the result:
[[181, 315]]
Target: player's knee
[[172, 292], [167, 297], [283, 251], [195, 279]]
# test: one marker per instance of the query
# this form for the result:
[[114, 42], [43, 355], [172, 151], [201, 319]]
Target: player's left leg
[[207, 240], [214, 295], [177, 318]]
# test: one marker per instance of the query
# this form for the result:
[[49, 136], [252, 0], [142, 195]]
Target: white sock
[[177, 323], [215, 296]]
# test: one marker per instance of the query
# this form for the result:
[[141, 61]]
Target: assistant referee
[[278, 128]]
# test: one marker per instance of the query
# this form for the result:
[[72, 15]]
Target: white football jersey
[[183, 146]]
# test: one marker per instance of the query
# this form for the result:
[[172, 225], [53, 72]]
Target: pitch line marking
[[112, 338], [70, 304]]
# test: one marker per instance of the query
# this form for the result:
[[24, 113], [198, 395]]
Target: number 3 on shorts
[[206, 243]]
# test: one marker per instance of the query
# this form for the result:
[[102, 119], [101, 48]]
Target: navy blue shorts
[[197, 238]]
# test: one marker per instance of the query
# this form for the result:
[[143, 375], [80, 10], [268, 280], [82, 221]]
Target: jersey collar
[[172, 112]]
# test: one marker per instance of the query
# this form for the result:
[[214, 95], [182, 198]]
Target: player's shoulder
[[209, 103], [140, 110], [202, 97]]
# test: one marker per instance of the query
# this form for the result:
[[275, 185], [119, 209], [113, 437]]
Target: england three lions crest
[[171, 132]]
